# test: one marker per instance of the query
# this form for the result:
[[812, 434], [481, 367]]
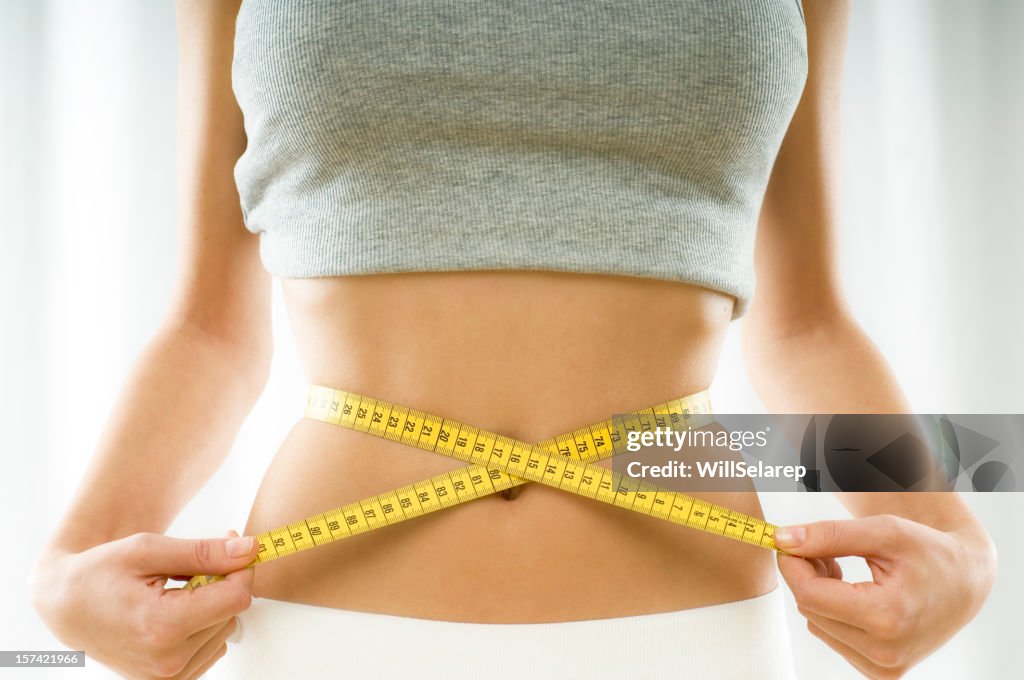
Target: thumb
[[230, 533], [863, 536], [795, 571], [156, 554]]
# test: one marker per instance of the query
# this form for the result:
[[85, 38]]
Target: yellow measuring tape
[[498, 463]]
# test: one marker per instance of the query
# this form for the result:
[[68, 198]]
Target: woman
[[525, 218]]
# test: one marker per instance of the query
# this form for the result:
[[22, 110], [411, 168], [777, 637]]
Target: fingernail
[[236, 547], [790, 537]]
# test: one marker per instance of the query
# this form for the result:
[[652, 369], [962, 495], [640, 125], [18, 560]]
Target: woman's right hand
[[110, 601]]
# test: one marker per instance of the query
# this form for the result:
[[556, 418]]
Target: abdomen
[[527, 354]]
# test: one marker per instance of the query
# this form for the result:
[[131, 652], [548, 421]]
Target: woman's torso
[[607, 138], [529, 355]]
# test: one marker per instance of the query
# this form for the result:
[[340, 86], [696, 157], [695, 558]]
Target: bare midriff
[[525, 354]]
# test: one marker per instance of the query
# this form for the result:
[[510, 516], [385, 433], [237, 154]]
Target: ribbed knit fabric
[[742, 640], [618, 137]]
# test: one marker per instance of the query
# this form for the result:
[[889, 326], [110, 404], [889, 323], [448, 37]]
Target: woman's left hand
[[927, 585]]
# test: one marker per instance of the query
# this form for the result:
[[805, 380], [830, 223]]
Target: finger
[[155, 554], [846, 633], [195, 641], [884, 653], [848, 602], [244, 577], [209, 649], [209, 664], [231, 533], [203, 607], [855, 658], [877, 535], [819, 566], [827, 567]]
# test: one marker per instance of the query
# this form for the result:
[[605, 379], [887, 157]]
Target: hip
[[744, 639]]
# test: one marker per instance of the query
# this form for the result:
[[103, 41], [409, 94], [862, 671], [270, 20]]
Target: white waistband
[[746, 639]]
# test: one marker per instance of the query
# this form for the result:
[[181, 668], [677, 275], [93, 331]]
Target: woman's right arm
[[177, 414]]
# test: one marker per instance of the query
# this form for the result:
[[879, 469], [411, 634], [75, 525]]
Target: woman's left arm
[[932, 562]]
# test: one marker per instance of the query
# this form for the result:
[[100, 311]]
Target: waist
[[523, 353]]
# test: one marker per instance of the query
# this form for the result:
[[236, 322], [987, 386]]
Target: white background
[[931, 236]]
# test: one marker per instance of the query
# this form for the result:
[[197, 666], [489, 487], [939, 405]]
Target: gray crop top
[[615, 137]]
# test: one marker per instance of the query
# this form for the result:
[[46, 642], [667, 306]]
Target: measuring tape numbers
[[497, 463]]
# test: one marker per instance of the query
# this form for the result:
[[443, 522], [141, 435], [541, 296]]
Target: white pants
[[747, 640]]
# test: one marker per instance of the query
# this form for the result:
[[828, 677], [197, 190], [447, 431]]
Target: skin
[[99, 583]]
